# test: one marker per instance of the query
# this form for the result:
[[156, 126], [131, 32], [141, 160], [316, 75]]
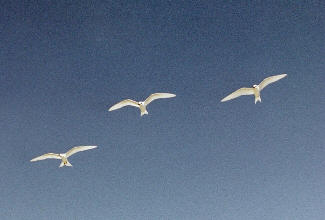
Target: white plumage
[[143, 104], [255, 90], [64, 156], [124, 103]]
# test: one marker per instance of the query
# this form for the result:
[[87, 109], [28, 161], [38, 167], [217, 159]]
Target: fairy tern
[[64, 156], [256, 90], [143, 104]]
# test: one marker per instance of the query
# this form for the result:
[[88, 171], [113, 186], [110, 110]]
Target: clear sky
[[64, 63]]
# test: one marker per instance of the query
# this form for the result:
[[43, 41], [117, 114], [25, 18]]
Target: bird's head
[[255, 86], [141, 103]]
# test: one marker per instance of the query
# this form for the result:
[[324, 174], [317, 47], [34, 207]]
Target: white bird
[[255, 90], [64, 156], [143, 104]]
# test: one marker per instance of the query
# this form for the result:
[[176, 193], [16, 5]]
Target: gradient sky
[[64, 63]]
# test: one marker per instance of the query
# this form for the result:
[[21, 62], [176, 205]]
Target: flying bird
[[143, 104], [255, 90], [64, 156]]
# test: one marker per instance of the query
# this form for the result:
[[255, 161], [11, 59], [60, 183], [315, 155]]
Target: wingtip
[[92, 147], [170, 95], [282, 75], [89, 146]]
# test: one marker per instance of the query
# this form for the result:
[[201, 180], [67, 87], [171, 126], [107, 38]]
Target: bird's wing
[[270, 80], [78, 149], [47, 156], [123, 103], [239, 92], [158, 96]]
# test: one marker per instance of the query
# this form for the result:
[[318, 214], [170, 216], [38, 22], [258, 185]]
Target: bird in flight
[[64, 156], [255, 90], [143, 104]]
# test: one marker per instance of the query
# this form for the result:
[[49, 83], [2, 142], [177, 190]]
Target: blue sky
[[64, 63]]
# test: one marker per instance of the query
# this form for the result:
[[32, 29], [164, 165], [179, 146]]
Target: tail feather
[[144, 113], [258, 99], [68, 164]]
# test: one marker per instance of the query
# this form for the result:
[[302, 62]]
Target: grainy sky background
[[64, 63]]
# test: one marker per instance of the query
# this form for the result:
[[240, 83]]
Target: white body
[[256, 90], [64, 161], [143, 108], [143, 104], [257, 93], [63, 157]]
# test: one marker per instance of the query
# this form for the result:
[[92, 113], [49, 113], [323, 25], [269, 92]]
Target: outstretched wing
[[47, 156], [158, 96], [239, 92], [78, 149], [124, 103], [270, 80]]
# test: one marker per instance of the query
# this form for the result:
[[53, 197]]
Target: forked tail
[[258, 99], [144, 113], [68, 164]]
